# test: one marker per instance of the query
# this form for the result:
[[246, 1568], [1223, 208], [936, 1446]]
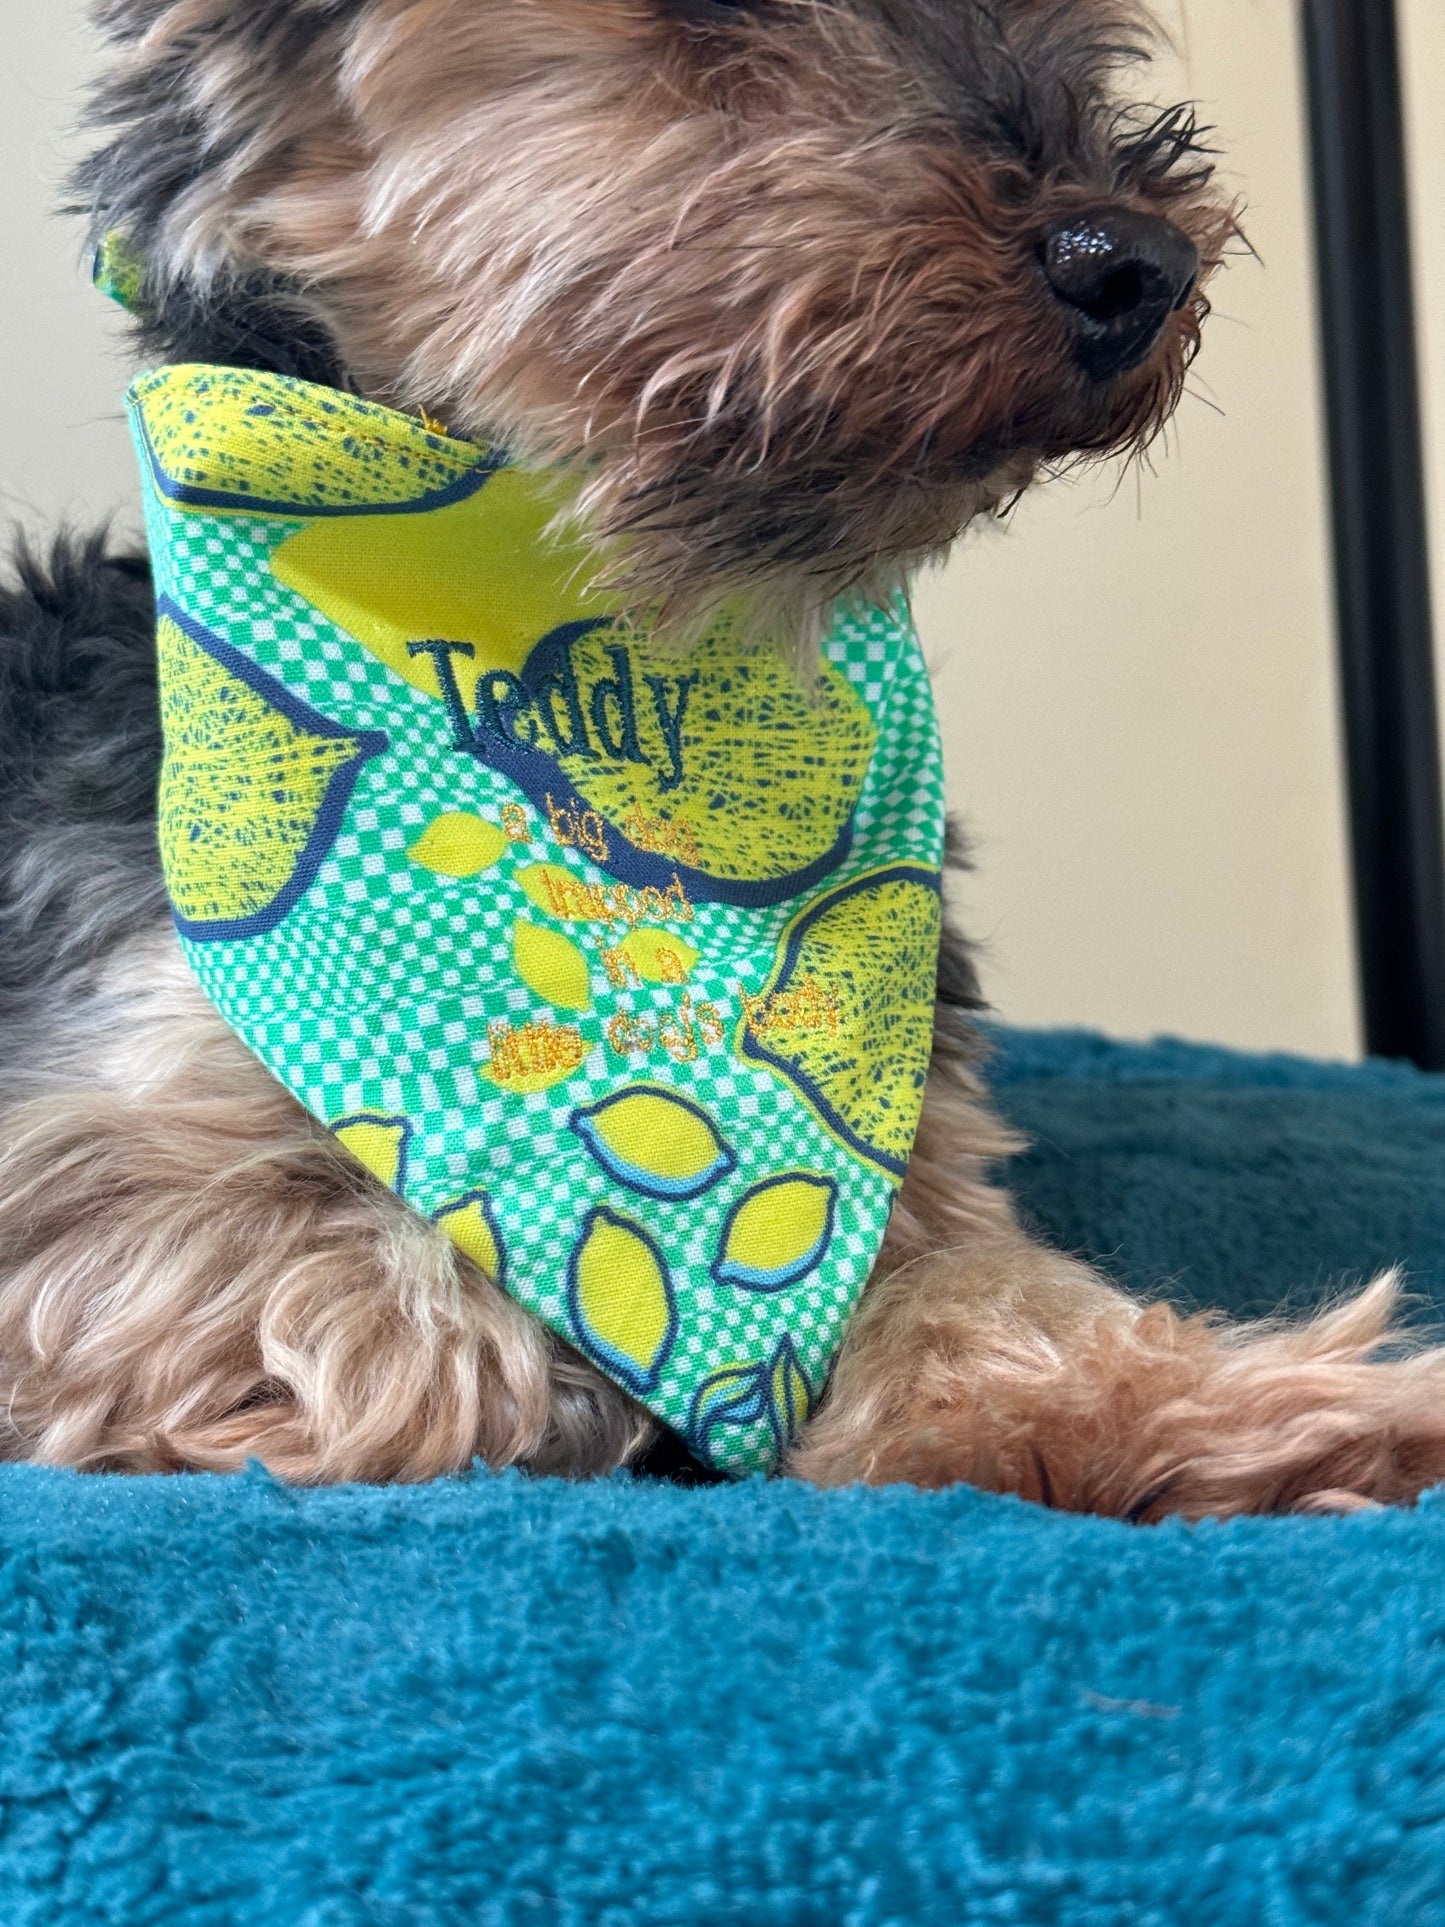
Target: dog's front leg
[[999, 1362]]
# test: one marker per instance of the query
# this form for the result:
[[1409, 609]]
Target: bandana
[[616, 963]]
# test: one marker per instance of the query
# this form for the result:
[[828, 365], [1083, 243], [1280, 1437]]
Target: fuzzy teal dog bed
[[497, 1703]]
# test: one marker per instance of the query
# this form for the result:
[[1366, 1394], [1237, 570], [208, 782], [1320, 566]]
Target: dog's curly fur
[[766, 275]]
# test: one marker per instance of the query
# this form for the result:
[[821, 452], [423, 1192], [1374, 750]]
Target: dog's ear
[[199, 95]]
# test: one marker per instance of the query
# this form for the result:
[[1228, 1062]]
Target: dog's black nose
[[1119, 275]]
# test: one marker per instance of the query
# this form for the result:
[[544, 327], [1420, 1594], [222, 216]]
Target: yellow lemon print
[[789, 1393], [778, 1232], [735, 1397], [847, 1016], [552, 966], [380, 1143], [458, 844], [655, 1142], [470, 1225], [483, 573], [720, 761], [253, 786], [229, 440], [620, 1298], [773, 1391]]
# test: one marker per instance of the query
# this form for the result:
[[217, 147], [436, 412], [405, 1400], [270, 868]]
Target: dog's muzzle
[[1118, 275]]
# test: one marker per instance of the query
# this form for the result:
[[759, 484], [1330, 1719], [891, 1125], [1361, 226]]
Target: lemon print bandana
[[615, 963]]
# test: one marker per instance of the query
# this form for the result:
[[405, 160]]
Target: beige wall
[[63, 446], [1136, 678]]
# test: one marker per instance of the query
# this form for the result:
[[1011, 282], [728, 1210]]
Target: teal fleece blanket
[[503, 1703]]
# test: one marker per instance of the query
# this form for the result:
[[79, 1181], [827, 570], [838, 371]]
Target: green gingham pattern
[[374, 993]]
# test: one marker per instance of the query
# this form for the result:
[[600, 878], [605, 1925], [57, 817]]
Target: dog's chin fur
[[765, 278]]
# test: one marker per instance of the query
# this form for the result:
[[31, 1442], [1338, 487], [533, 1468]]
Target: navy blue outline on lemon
[[748, 1406], [482, 1199], [379, 1121], [187, 495], [752, 1403], [759, 1053], [786, 1352], [728, 1274], [671, 1190], [617, 1364], [539, 774], [370, 743]]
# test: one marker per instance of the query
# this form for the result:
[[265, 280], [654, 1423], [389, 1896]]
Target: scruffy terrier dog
[[798, 289]]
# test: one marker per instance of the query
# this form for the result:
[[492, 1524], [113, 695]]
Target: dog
[[796, 290]]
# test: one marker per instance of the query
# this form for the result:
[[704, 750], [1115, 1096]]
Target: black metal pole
[[1380, 527]]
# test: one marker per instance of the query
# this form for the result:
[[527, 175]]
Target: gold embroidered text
[[536, 1050], [810, 1005]]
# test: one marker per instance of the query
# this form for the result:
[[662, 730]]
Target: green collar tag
[[616, 964]]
